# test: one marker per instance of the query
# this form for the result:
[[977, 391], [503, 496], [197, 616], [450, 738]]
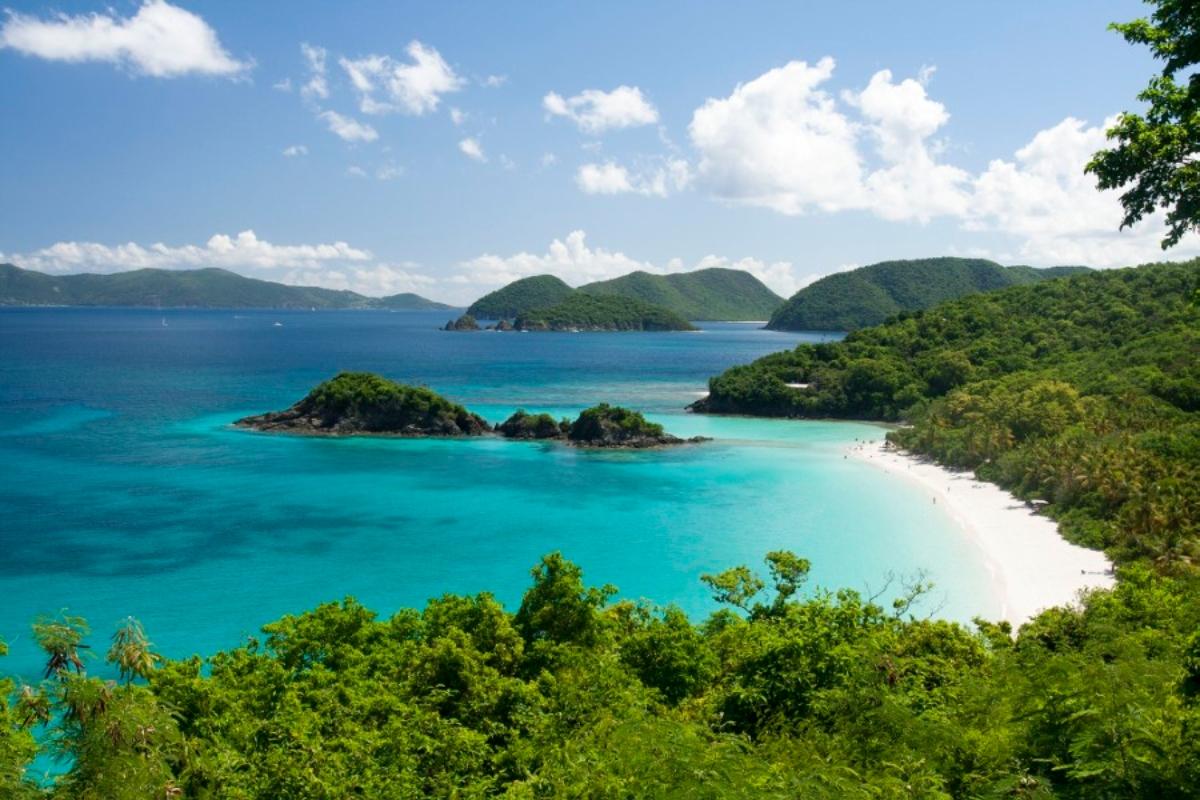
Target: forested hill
[[527, 294], [593, 312], [705, 294], [197, 288], [1084, 392], [869, 295]]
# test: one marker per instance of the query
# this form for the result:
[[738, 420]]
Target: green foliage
[[196, 288], [527, 294], [1083, 392], [815, 695], [523, 425], [378, 404], [582, 311], [604, 422], [847, 301], [704, 294], [1156, 153]]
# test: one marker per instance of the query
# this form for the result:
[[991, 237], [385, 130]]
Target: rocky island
[[598, 426], [366, 404], [362, 403], [464, 323]]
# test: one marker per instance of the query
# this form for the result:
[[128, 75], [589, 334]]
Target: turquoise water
[[125, 491]]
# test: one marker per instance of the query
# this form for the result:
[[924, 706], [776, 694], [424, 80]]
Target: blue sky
[[500, 140]]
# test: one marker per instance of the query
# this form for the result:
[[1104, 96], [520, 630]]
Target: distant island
[[847, 301], [705, 294], [366, 404], [585, 312], [193, 288]]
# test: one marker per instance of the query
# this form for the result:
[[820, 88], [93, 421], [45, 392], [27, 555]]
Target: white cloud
[[389, 172], [495, 81], [780, 142], [355, 171], [1044, 199], [612, 178], [457, 116], [348, 128], [472, 149], [414, 87], [596, 111], [549, 159], [160, 40], [244, 251], [317, 86], [295, 150], [284, 85]]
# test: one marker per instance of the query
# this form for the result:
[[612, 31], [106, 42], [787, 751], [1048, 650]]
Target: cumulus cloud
[[471, 148], [348, 128], [295, 150], [596, 111], [160, 40], [317, 85], [458, 116], [1044, 198], [784, 142], [415, 87], [495, 81], [612, 178], [245, 250]]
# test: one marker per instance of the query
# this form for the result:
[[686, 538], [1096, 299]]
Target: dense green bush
[[783, 694]]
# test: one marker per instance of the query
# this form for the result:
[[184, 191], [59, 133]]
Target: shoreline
[[1033, 567]]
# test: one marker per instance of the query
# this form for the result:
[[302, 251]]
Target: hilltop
[[869, 295], [587, 312], [706, 294], [518, 297], [193, 288]]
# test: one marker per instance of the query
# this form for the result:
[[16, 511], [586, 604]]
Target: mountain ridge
[[208, 287]]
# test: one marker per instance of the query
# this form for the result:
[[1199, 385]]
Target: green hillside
[[527, 294], [588, 312], [1084, 392], [866, 296], [706, 294], [197, 288]]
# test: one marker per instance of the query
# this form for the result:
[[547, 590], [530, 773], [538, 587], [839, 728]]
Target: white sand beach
[[1034, 568]]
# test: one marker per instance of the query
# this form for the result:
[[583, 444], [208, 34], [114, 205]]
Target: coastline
[[1032, 565]]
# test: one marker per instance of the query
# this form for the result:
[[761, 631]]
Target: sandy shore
[[1033, 567]]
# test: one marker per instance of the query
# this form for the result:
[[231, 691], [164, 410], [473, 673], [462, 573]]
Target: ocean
[[124, 490]]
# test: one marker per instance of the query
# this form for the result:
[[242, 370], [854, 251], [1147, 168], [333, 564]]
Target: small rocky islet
[[366, 404]]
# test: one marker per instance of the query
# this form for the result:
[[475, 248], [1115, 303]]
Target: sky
[[448, 148]]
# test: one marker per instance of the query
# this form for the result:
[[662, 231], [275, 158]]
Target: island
[[362, 403], [210, 287], [859, 298], [599, 426], [585, 312], [464, 323], [714, 293]]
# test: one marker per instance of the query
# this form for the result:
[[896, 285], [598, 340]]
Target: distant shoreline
[[1032, 566]]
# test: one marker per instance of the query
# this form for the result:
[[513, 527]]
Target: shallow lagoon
[[125, 491]]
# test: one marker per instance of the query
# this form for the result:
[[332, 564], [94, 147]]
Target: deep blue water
[[123, 490]]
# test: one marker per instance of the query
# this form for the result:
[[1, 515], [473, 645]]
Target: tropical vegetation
[[582, 311], [787, 691], [1082, 392], [847, 301], [527, 294], [704, 294]]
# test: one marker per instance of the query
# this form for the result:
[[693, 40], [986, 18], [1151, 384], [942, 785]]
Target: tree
[[1159, 153]]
